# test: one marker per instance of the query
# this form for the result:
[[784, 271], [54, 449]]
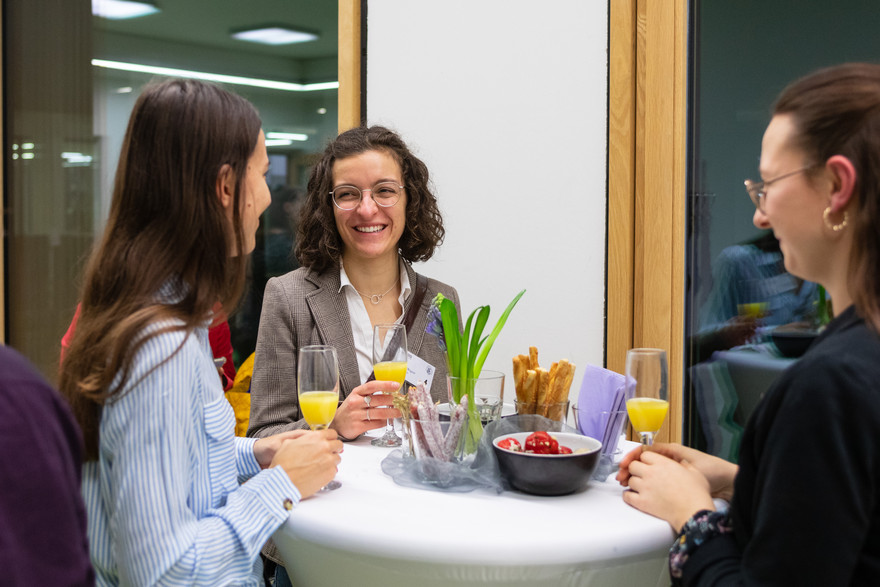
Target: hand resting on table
[[673, 482]]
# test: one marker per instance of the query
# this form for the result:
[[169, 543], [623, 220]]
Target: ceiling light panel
[[287, 136], [275, 36], [214, 77], [121, 9]]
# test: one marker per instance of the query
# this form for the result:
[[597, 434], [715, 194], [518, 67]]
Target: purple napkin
[[602, 391]]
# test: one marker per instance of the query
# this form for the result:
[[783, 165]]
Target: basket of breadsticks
[[541, 391]]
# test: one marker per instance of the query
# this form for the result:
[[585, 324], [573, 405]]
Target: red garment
[[219, 336], [221, 346]]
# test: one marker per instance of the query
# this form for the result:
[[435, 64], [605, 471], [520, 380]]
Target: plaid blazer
[[303, 308]]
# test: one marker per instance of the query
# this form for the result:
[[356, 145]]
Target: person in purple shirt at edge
[[42, 516]]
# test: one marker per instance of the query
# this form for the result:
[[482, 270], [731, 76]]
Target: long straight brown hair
[[167, 227], [836, 111]]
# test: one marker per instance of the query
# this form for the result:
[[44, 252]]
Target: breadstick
[[533, 357], [530, 393], [520, 366], [568, 381], [558, 391], [543, 389]]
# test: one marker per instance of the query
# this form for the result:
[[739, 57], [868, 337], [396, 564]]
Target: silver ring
[[367, 399], [369, 419]]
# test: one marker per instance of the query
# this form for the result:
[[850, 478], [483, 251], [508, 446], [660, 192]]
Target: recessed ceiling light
[[287, 136], [278, 142], [120, 9], [274, 35], [215, 77]]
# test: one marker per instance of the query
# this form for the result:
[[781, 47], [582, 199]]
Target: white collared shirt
[[361, 327]]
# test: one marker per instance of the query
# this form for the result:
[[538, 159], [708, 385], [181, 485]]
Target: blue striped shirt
[[167, 500]]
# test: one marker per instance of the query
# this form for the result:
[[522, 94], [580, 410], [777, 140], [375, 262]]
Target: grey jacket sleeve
[[274, 405]]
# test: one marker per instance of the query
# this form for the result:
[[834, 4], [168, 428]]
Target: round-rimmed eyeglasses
[[348, 197], [758, 189]]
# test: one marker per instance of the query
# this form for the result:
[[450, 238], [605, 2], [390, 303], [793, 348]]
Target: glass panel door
[[742, 54], [71, 79]]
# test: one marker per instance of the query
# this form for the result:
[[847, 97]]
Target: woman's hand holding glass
[[309, 458], [265, 449], [670, 490], [317, 386], [673, 482], [389, 364], [364, 409], [719, 473]]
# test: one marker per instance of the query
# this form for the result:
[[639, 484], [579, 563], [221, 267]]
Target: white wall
[[506, 102]]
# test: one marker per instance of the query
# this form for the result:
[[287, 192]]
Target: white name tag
[[418, 371]]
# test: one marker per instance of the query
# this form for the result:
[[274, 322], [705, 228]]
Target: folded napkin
[[602, 413]]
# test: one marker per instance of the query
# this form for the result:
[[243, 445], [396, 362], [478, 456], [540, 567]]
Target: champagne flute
[[317, 386], [389, 364], [646, 391]]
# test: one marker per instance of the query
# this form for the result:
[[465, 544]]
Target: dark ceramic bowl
[[549, 474], [793, 343]]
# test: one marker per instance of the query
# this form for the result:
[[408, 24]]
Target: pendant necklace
[[376, 298]]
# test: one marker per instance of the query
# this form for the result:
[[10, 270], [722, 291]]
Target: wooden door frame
[[646, 187], [349, 64]]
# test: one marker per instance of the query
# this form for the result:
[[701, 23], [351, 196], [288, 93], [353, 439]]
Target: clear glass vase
[[485, 400]]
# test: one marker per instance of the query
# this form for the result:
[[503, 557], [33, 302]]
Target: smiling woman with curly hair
[[319, 245], [369, 213]]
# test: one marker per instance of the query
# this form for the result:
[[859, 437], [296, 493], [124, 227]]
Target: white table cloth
[[374, 532]]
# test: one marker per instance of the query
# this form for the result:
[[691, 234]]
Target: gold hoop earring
[[834, 227]]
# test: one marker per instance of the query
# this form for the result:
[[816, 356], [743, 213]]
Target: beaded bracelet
[[702, 526]]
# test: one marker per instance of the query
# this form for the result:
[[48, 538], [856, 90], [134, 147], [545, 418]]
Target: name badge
[[418, 371]]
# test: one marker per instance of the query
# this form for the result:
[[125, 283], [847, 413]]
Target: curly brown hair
[[318, 243]]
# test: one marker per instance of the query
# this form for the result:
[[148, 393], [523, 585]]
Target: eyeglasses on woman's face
[[758, 189], [348, 197]]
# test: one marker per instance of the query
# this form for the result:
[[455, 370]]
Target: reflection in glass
[[738, 292], [65, 120]]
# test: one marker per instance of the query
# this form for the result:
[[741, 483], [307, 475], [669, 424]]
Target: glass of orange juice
[[389, 364], [317, 387], [646, 391]]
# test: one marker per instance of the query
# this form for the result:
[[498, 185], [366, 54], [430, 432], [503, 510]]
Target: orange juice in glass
[[317, 388], [646, 391], [390, 371], [389, 364], [318, 408]]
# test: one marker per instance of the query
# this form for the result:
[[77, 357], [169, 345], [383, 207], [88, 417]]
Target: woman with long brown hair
[[805, 499], [163, 472]]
